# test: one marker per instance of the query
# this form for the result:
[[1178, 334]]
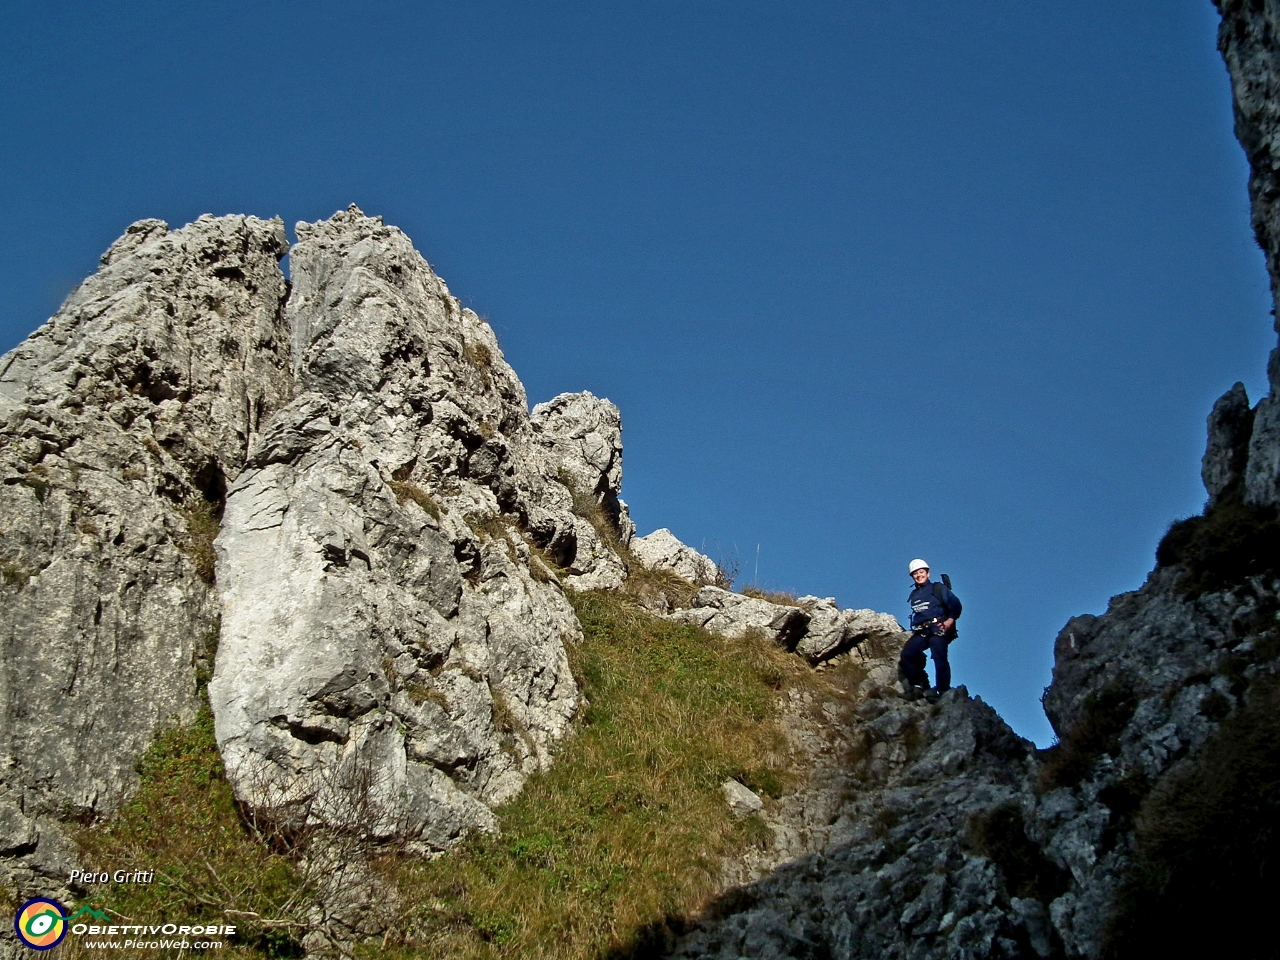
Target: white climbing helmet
[[917, 564]]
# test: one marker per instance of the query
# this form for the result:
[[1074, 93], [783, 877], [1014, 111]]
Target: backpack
[[937, 592]]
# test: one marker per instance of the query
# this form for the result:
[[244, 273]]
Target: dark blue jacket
[[926, 605]]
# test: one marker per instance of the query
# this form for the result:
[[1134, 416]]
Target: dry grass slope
[[627, 832]]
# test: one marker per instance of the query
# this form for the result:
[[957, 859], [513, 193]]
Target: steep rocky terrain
[[326, 503], [122, 421]]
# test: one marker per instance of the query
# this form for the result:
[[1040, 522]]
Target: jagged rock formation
[[662, 550], [395, 526], [890, 814], [122, 420], [391, 649]]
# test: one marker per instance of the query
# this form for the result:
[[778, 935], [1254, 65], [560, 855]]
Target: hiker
[[934, 609]]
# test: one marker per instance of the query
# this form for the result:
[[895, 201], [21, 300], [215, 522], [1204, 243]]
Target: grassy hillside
[[627, 830]]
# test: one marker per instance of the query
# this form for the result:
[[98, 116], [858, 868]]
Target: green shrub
[[1226, 546], [1000, 835], [1206, 861], [1104, 714]]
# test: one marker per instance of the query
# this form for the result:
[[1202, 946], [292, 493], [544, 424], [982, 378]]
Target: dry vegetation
[[622, 837], [627, 832]]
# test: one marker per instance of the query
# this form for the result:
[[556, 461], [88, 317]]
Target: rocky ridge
[[337, 485], [394, 532]]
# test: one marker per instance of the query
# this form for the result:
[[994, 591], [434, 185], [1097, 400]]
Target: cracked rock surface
[[122, 421], [393, 648]]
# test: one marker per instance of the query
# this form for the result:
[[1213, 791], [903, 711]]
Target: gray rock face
[[122, 421], [1226, 454], [662, 550], [885, 863], [392, 653], [832, 631], [1247, 40], [736, 615]]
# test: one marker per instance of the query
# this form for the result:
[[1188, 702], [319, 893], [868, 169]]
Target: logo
[[41, 923]]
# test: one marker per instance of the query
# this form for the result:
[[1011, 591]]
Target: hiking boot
[[933, 695], [911, 692]]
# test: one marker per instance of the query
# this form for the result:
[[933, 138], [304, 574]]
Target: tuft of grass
[[406, 491], [14, 575], [202, 521], [1206, 846], [210, 866], [783, 597], [625, 835], [1230, 543], [481, 359]]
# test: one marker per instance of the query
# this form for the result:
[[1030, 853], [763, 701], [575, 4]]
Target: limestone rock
[[661, 550], [742, 800], [1226, 454], [873, 857], [735, 615], [392, 654], [832, 631], [122, 421]]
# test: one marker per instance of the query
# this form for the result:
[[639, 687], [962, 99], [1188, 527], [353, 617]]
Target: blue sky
[[868, 281]]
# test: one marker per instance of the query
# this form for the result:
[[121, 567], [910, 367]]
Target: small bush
[[1104, 714], [14, 575], [210, 867], [1226, 546], [1000, 835], [202, 521], [481, 359], [1206, 848]]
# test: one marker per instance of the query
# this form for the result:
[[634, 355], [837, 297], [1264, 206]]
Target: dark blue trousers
[[912, 660]]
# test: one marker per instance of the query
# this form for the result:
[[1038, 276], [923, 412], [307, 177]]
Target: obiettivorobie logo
[[42, 923]]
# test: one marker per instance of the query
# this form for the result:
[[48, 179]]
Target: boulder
[[735, 615], [832, 631], [661, 550]]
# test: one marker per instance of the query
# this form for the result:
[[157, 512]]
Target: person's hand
[[947, 624]]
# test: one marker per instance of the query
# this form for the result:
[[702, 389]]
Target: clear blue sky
[[868, 281]]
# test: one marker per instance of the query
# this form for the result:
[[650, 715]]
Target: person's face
[[921, 576]]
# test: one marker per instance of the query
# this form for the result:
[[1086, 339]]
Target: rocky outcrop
[[122, 421], [887, 850], [662, 550], [813, 627], [1248, 42], [736, 615], [1226, 455], [392, 653]]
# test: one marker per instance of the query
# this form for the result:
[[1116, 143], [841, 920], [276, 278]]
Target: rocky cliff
[[325, 503]]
